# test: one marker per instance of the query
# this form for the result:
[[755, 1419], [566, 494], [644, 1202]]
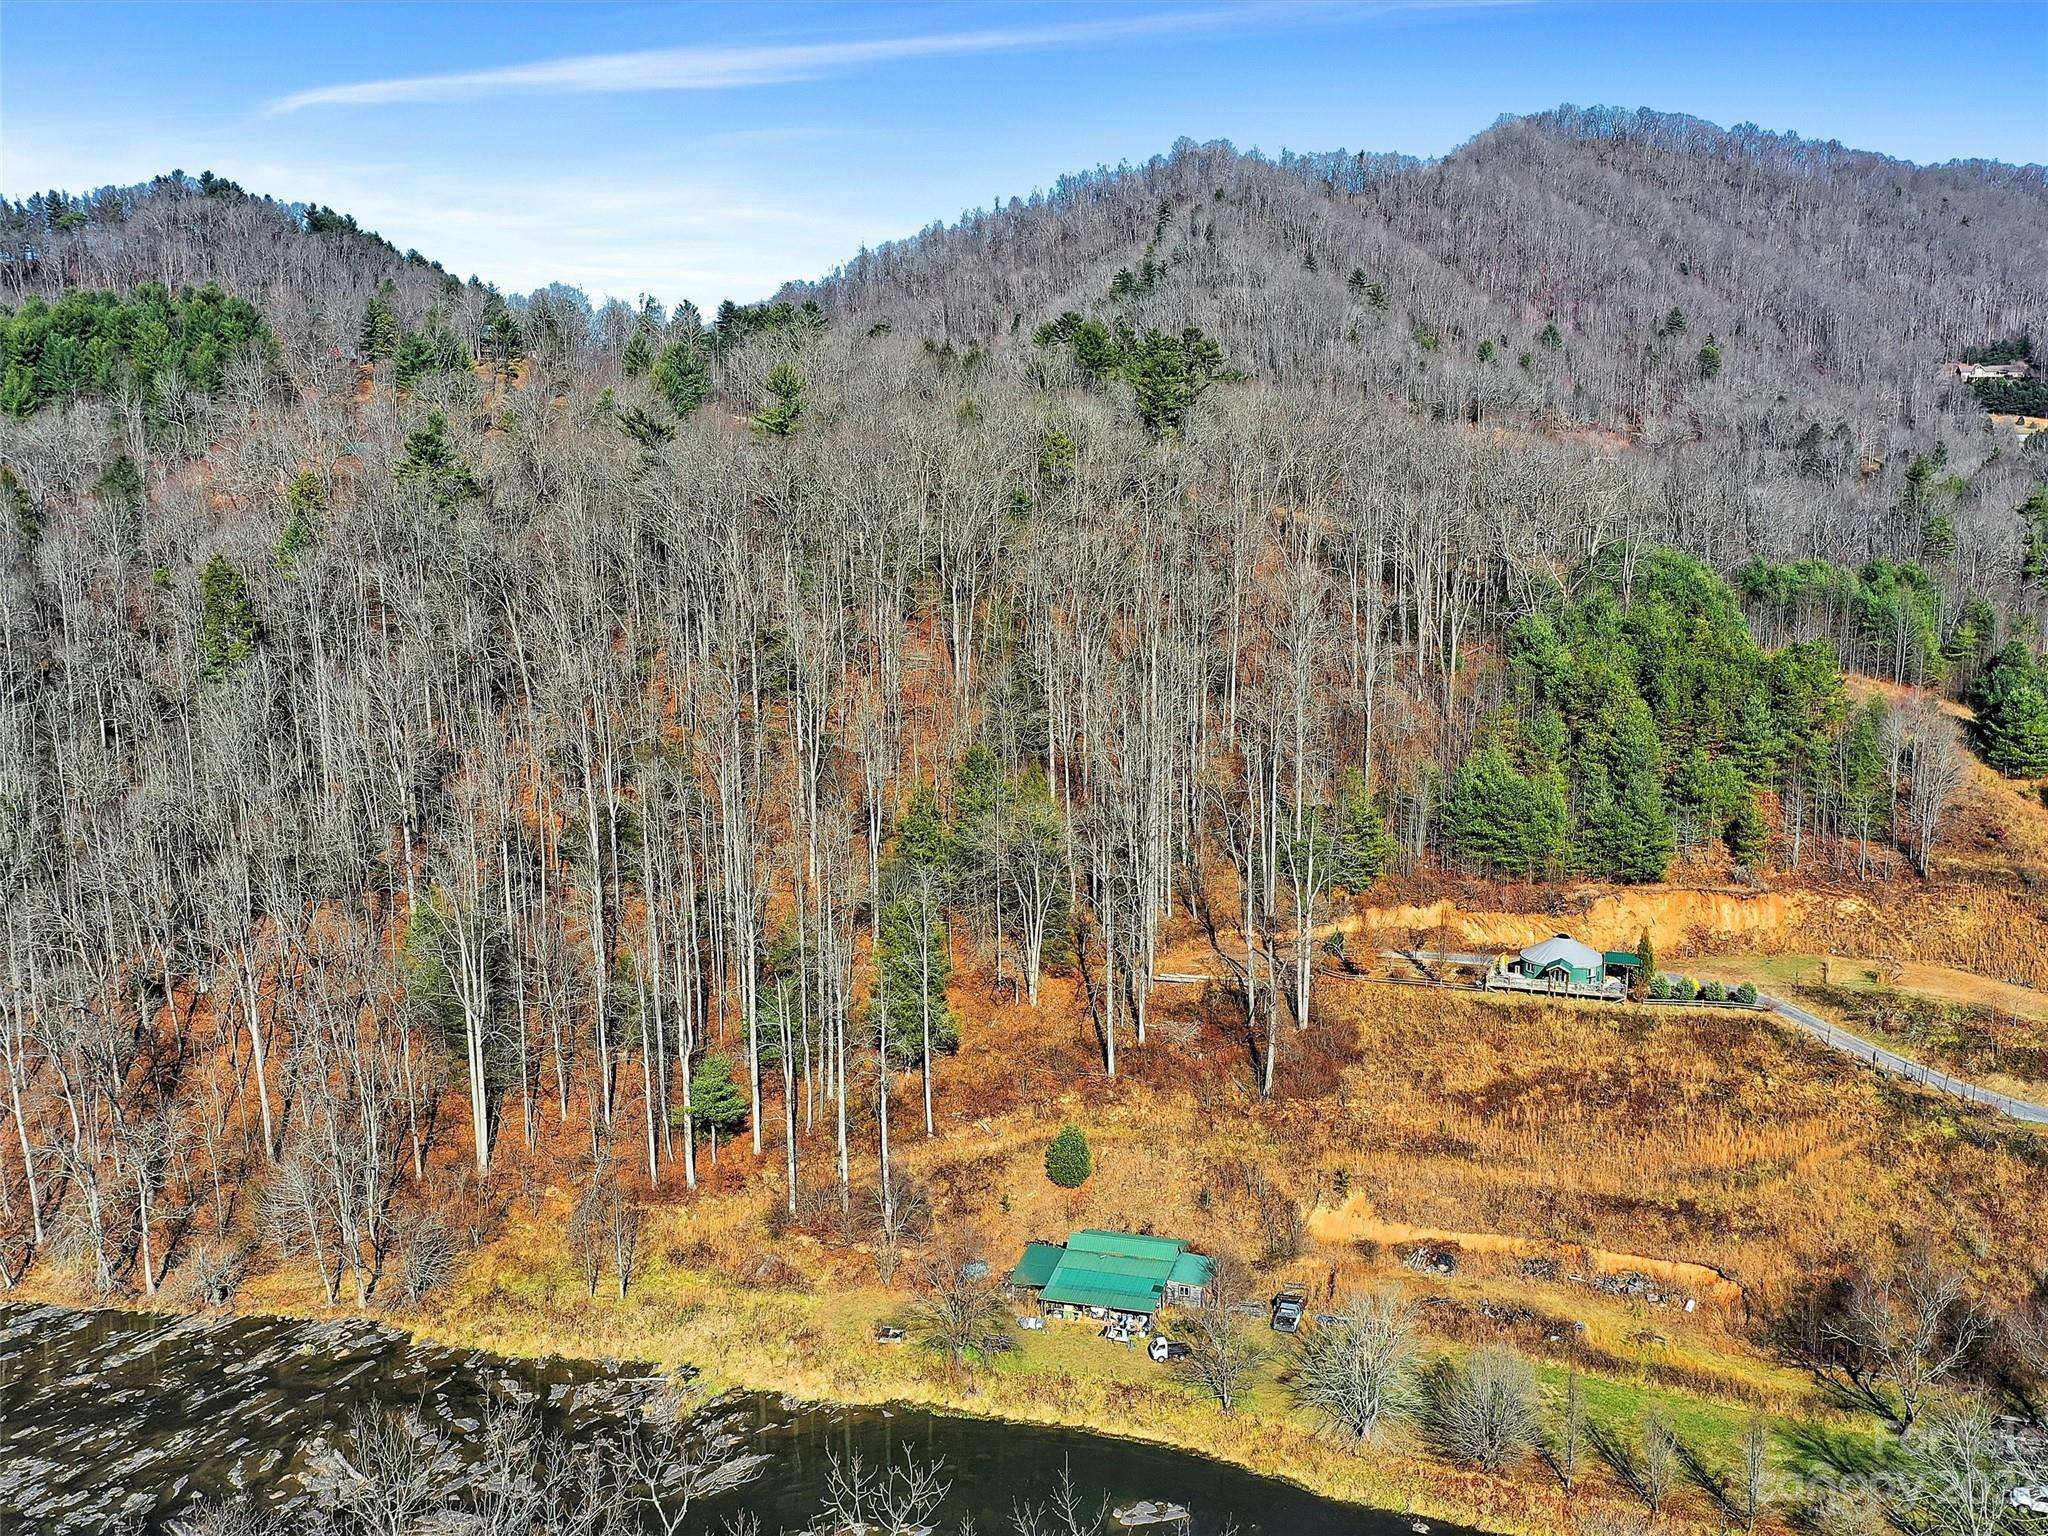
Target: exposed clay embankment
[[1355, 1222]]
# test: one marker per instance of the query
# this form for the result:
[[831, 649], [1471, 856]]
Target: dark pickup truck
[[1288, 1308]]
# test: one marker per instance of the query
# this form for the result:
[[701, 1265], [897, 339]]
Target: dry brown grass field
[[1537, 1144]]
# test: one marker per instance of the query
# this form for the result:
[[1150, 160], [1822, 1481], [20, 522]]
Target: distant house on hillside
[[1119, 1277], [1969, 371], [1562, 964]]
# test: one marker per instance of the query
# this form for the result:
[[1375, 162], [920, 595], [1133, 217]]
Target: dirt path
[[1354, 1221]]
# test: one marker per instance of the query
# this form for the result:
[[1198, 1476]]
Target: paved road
[[1895, 1065], [1834, 1036]]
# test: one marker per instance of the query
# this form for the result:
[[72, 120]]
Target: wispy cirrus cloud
[[721, 67]]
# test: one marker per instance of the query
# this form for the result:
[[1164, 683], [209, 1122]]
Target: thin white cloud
[[726, 68], [656, 226], [772, 138]]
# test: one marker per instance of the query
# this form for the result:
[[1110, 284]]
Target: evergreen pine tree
[[1501, 821], [378, 338], [1938, 538], [1860, 770], [786, 401], [1068, 1161], [649, 431], [976, 838], [1749, 832], [681, 377], [1709, 789], [303, 502], [1969, 643], [2012, 714], [227, 621], [504, 344], [120, 485], [921, 838], [411, 360], [434, 466], [1361, 847], [916, 966], [1628, 832], [20, 510], [18, 393], [717, 1103], [2034, 562], [979, 793]]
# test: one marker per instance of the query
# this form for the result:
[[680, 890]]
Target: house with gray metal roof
[[1563, 964]]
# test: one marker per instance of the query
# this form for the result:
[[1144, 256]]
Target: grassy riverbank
[[791, 1335], [1550, 1151], [820, 1348]]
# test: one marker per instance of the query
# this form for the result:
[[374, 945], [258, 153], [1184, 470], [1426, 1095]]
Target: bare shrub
[[623, 1221], [1887, 1342], [1358, 1372], [211, 1274], [668, 1462], [961, 1316], [1485, 1411], [423, 1256], [1221, 1351], [898, 1501], [894, 1222], [1062, 1514]]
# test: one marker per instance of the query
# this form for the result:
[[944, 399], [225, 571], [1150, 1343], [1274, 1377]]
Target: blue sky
[[712, 151]]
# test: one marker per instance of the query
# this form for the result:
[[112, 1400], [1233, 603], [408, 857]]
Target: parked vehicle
[[1164, 1349], [1288, 1308], [1031, 1322], [888, 1333]]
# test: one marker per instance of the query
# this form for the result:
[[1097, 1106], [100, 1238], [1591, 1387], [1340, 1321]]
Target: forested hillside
[[438, 725], [1765, 316]]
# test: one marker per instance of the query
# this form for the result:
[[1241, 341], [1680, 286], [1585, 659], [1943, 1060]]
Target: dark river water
[[110, 1414]]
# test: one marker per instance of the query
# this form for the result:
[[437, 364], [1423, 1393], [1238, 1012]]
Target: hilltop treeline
[[1765, 316], [500, 722]]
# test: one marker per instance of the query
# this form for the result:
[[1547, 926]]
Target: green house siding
[[1577, 975]]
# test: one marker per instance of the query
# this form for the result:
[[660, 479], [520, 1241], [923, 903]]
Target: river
[[106, 1413]]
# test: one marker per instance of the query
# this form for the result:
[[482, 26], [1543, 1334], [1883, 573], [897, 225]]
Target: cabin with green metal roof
[[1112, 1275]]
